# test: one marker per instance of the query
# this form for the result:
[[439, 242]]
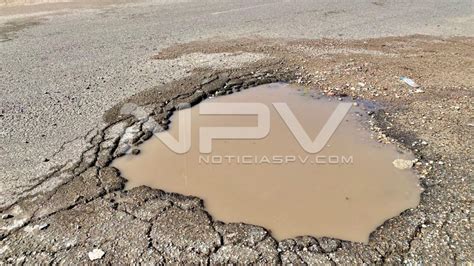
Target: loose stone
[[96, 254], [403, 164], [43, 226]]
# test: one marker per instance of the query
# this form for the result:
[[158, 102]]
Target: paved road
[[63, 65]]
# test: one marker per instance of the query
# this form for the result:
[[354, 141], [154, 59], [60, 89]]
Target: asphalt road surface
[[62, 65]]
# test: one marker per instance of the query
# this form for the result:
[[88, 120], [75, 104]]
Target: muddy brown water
[[345, 191]]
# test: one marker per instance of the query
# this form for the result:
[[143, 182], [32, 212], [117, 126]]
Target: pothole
[[276, 180]]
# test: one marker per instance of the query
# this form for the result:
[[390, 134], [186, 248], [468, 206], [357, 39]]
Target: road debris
[[403, 164], [96, 254], [409, 82], [43, 226]]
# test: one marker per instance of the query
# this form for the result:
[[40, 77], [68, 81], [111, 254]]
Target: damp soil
[[344, 191]]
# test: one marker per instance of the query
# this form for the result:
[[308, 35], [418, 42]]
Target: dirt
[[273, 182], [90, 210]]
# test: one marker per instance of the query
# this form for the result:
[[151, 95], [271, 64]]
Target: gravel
[[57, 83]]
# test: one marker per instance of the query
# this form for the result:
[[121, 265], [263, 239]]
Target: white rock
[[96, 254], [43, 226], [402, 164]]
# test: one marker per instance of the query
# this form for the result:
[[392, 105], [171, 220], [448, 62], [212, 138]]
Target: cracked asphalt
[[66, 71]]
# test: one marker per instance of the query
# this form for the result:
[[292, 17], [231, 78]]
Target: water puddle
[[344, 191]]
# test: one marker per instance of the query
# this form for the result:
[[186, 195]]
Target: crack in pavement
[[91, 210]]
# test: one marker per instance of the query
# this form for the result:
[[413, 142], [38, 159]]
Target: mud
[[89, 209], [352, 178]]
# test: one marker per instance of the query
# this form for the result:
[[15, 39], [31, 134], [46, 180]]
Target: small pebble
[[402, 164], [43, 226], [96, 254]]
